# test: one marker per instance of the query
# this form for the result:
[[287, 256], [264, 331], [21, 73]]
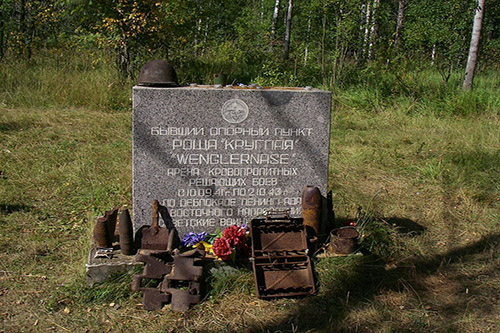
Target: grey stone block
[[220, 156], [102, 269]]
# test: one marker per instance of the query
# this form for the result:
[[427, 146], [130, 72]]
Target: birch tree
[[373, 29], [274, 22], [474, 43], [399, 22], [288, 30]]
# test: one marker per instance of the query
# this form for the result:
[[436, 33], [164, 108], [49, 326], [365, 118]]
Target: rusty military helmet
[[157, 73]]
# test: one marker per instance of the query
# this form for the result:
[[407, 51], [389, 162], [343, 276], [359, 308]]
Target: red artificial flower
[[222, 248], [235, 235], [244, 250]]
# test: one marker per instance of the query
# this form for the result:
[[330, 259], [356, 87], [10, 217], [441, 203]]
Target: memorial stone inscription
[[221, 156]]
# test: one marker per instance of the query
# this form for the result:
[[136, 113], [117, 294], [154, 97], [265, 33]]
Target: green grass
[[55, 79], [422, 159]]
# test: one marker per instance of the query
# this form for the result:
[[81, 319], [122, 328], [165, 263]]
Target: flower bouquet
[[230, 245]]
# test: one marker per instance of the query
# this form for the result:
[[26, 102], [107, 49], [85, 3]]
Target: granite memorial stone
[[221, 156]]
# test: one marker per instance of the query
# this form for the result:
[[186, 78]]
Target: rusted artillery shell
[[126, 233], [110, 217], [101, 233], [311, 209], [344, 240], [157, 73], [104, 230]]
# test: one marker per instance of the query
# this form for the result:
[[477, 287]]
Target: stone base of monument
[[100, 269]]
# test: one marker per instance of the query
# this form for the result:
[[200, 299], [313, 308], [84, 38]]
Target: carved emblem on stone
[[234, 111]]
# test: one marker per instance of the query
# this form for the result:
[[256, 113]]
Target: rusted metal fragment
[[126, 233], [284, 276], [154, 237], [184, 268], [176, 275], [157, 73], [271, 236], [280, 262], [311, 210], [182, 299], [104, 229], [344, 240], [154, 299], [157, 265], [184, 274]]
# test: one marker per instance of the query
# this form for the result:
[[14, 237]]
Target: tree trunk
[[433, 54], [336, 57], [367, 29], [399, 23], [124, 64], [205, 34], [197, 31], [275, 21], [197, 34], [288, 30], [474, 43], [261, 13], [323, 36], [373, 30], [2, 34], [308, 36]]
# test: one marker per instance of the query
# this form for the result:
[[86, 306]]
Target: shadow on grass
[[356, 281], [9, 209], [405, 226], [10, 126]]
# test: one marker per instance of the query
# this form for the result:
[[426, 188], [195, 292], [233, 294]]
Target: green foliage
[[378, 237], [332, 43], [225, 279], [114, 290]]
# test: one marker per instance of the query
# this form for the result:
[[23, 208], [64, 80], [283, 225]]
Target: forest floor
[[428, 182]]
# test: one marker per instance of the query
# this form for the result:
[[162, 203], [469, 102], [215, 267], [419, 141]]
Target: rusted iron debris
[[281, 265], [280, 248], [177, 277]]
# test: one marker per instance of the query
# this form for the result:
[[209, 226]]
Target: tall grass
[[423, 92], [88, 78], [58, 78]]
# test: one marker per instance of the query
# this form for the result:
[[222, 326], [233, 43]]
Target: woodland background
[[418, 153], [327, 43]]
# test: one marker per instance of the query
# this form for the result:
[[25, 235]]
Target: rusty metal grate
[[280, 262]]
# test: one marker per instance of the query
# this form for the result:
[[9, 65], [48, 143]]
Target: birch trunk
[[308, 35], [323, 36], [288, 30], [474, 43], [275, 20], [373, 30], [399, 23], [197, 36], [205, 35], [367, 28], [433, 54]]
